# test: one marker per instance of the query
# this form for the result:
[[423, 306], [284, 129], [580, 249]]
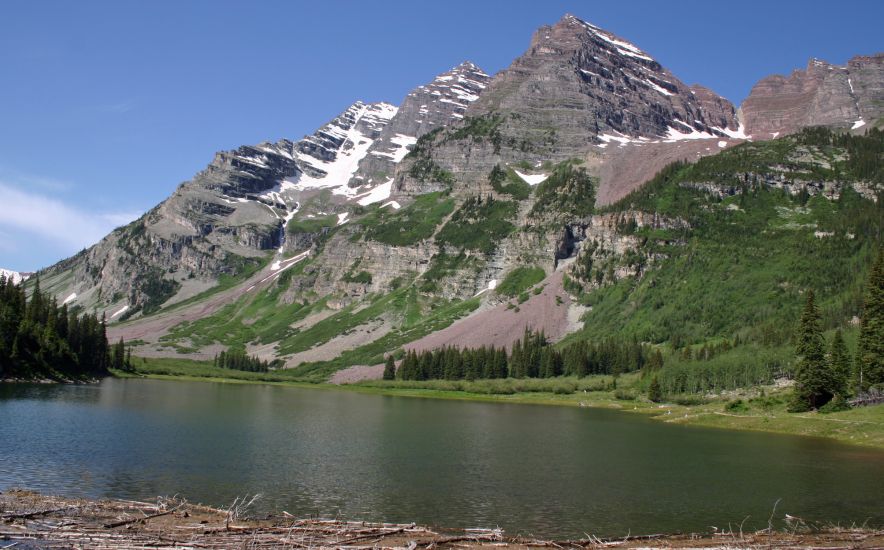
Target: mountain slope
[[231, 217], [389, 224]]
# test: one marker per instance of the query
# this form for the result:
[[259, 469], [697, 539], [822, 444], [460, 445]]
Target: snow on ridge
[[531, 179], [674, 134], [621, 46], [858, 124], [657, 87], [70, 298]]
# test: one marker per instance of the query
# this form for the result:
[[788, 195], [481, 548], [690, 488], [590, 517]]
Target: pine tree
[[390, 368], [813, 381], [870, 352], [839, 365], [655, 392]]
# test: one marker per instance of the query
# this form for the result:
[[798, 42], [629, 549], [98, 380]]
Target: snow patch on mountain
[[401, 144], [380, 193], [336, 173], [531, 179], [14, 275]]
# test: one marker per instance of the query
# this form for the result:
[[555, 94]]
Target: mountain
[[229, 216], [570, 193], [821, 95], [16, 276]]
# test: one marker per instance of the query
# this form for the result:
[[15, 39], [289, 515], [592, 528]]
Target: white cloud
[[56, 221], [20, 179]]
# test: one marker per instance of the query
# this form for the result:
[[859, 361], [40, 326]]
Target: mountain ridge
[[407, 218]]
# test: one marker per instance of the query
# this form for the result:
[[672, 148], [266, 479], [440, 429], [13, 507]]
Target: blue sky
[[106, 106]]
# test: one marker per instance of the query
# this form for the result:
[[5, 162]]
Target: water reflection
[[539, 470]]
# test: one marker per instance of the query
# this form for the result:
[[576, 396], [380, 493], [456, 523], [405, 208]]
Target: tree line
[[237, 359], [531, 356], [40, 339]]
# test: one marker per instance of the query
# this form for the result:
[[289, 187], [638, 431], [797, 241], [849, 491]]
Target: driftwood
[[134, 520], [37, 521]]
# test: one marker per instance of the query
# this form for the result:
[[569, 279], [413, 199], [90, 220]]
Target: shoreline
[[39, 521], [862, 427]]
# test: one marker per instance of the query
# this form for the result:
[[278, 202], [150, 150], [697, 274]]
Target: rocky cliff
[[821, 95]]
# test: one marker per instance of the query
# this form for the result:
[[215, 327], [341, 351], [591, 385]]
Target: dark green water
[[548, 471]]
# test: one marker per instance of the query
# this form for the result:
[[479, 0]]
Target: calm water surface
[[548, 471]]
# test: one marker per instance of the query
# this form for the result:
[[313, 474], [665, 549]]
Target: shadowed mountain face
[[821, 95], [390, 222]]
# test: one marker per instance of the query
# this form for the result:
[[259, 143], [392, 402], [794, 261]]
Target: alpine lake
[[535, 470]]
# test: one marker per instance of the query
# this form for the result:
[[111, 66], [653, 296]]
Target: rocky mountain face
[[435, 105], [235, 212], [432, 204], [586, 82], [577, 90], [821, 95]]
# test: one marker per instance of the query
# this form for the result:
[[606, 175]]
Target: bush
[[625, 395], [736, 406], [835, 405], [689, 400]]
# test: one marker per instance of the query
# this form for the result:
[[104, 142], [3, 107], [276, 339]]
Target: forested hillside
[[40, 339]]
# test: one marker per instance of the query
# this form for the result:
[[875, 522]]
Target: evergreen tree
[[870, 352], [655, 392], [813, 380], [839, 365], [390, 368], [40, 339]]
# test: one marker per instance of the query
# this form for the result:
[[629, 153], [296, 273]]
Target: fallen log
[[116, 524]]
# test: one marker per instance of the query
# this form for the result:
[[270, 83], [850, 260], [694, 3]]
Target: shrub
[[736, 406]]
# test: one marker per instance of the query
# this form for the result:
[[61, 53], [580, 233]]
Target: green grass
[[410, 225], [507, 182], [403, 301], [258, 318], [311, 225], [479, 224], [200, 370], [520, 279]]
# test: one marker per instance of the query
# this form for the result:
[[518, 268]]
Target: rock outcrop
[[821, 95]]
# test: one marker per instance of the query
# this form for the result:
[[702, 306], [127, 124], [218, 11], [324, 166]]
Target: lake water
[[542, 470]]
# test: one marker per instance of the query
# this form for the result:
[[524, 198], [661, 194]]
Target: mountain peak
[[467, 66]]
